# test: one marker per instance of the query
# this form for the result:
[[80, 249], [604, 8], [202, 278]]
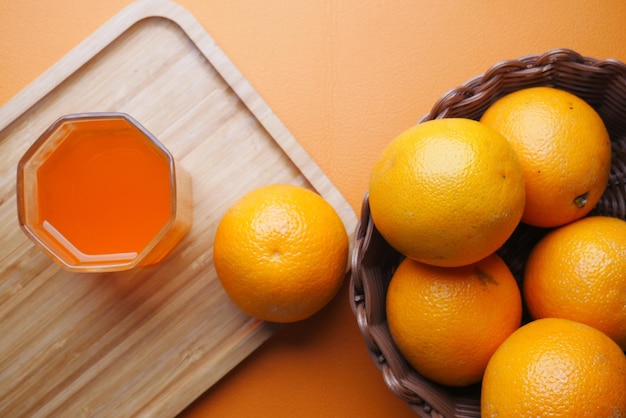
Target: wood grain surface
[[145, 342]]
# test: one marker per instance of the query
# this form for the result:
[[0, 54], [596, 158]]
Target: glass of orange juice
[[97, 192]]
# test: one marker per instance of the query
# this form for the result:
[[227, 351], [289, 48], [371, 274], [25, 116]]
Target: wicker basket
[[603, 85]]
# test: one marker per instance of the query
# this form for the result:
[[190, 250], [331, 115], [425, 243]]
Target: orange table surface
[[345, 76]]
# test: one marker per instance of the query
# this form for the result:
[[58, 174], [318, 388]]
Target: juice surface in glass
[[99, 188], [99, 194]]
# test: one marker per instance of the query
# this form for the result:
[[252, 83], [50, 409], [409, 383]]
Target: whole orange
[[564, 148], [448, 321], [281, 253], [447, 192], [555, 367], [578, 272]]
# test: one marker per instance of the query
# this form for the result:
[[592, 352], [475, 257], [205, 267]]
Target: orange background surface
[[345, 76]]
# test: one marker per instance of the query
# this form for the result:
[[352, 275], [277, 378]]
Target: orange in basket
[[555, 368], [447, 192], [578, 272], [448, 321], [564, 148]]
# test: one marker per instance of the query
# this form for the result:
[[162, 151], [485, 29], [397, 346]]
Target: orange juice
[[106, 187], [101, 194]]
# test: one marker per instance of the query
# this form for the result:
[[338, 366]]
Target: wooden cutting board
[[144, 342]]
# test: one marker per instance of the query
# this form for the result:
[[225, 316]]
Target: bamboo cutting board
[[144, 342]]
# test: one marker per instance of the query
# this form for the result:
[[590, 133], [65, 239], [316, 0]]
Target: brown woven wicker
[[602, 83]]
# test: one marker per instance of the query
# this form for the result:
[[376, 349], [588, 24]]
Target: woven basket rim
[[522, 66]]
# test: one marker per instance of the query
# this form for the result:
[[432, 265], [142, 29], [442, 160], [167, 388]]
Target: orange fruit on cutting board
[[555, 367], [448, 321], [447, 192], [564, 148], [578, 272], [281, 253]]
